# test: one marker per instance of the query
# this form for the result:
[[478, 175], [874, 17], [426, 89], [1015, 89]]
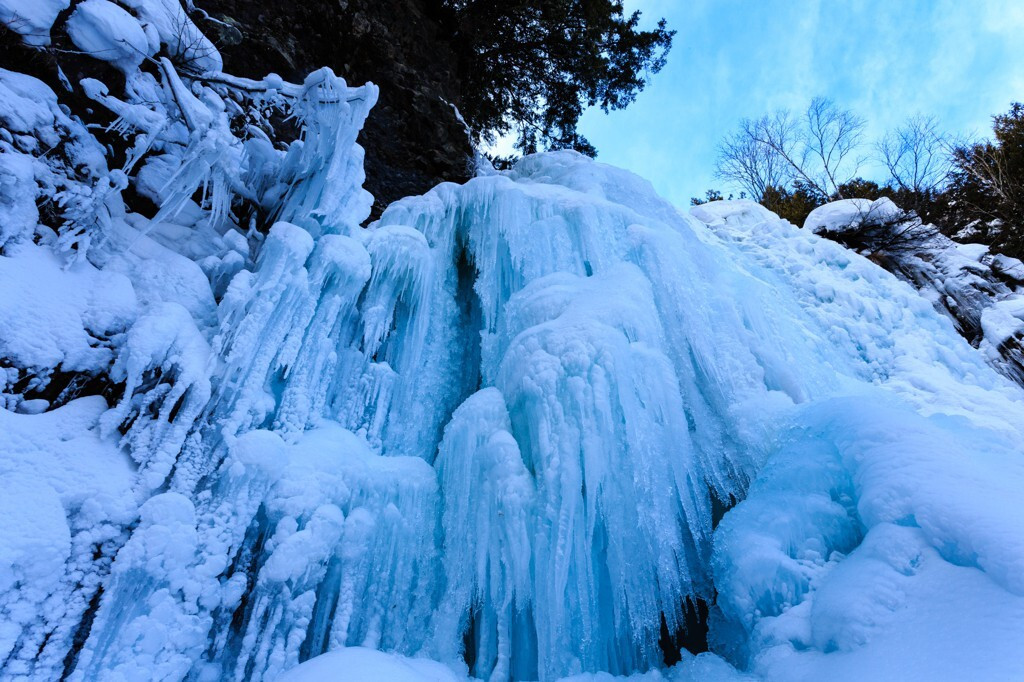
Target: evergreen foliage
[[986, 192], [531, 68]]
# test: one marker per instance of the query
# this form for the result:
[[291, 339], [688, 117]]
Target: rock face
[[413, 137]]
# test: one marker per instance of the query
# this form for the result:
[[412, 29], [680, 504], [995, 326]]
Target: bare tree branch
[[831, 137], [750, 164], [917, 156]]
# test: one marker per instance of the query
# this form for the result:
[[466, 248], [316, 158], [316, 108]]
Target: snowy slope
[[981, 292], [492, 435]]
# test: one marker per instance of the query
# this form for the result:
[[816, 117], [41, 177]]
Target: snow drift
[[498, 429]]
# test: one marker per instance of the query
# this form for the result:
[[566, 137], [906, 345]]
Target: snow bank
[[357, 664], [367, 665], [56, 317], [840, 543]]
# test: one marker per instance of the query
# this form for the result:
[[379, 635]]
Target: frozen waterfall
[[497, 429]]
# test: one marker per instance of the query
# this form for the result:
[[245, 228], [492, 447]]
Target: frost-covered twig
[[273, 84]]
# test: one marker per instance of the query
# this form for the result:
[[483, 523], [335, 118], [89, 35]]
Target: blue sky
[[885, 59]]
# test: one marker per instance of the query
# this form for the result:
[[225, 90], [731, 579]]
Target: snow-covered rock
[[32, 19], [850, 214], [105, 31], [54, 317]]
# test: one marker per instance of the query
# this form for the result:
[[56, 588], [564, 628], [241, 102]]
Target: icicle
[[339, 269], [325, 170], [488, 516], [164, 369]]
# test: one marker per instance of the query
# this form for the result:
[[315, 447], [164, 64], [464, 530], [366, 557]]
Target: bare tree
[[749, 164], [832, 137], [917, 156], [781, 135], [816, 151]]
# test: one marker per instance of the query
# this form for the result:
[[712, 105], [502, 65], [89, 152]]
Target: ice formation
[[494, 434]]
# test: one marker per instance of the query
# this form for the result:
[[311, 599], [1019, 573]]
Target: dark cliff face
[[413, 138]]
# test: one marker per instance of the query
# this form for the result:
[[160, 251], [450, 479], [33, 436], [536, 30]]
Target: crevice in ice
[[469, 644], [720, 505], [318, 634], [243, 572], [470, 323], [689, 634], [81, 633]]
